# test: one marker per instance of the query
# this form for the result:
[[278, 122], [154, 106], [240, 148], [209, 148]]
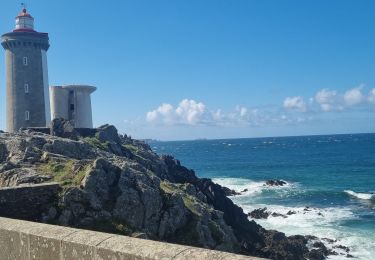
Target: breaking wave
[[249, 187], [327, 223], [362, 196]]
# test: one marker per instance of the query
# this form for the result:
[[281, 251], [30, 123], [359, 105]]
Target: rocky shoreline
[[113, 183]]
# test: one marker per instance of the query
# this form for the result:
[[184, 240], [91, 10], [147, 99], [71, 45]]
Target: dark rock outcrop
[[116, 184], [63, 128], [275, 183], [259, 213], [230, 192]]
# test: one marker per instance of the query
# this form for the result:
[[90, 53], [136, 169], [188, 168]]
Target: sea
[[330, 182]]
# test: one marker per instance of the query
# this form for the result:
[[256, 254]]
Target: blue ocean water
[[334, 175]]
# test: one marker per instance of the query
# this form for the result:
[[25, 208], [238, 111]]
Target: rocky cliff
[[112, 183]]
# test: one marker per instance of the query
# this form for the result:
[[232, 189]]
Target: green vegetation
[[63, 173], [132, 148], [95, 142], [192, 204], [168, 187], [190, 201]]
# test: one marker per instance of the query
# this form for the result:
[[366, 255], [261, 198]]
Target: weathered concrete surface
[[28, 202], [23, 240]]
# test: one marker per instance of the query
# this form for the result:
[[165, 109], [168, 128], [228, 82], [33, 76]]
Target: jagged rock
[[329, 240], [345, 248], [259, 213], [291, 212], [275, 183], [7, 166], [3, 153], [275, 214], [315, 254], [18, 176], [108, 133], [174, 217], [178, 173], [69, 148], [230, 192], [32, 154], [320, 246], [113, 183], [63, 128]]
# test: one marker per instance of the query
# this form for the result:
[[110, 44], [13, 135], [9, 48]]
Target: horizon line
[[236, 138]]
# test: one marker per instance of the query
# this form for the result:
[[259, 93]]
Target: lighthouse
[[27, 92]]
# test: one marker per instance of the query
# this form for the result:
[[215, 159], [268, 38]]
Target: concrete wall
[[84, 110], [59, 102], [28, 202], [47, 105], [78, 96], [28, 240]]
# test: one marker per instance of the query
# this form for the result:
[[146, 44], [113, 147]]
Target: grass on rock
[[95, 142], [63, 173]]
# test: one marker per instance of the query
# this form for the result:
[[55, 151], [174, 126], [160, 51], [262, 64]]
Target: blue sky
[[185, 69]]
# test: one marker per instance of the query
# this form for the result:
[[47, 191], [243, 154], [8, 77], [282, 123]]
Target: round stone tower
[[73, 103], [27, 96]]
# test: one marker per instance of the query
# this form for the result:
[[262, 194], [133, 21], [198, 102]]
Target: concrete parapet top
[[29, 240], [86, 88]]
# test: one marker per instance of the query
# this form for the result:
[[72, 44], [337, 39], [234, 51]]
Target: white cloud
[[331, 100], [371, 96], [295, 103], [353, 96], [242, 111], [191, 112], [164, 112], [325, 96], [328, 100], [187, 112]]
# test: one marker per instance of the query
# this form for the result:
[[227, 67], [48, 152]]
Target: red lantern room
[[24, 22]]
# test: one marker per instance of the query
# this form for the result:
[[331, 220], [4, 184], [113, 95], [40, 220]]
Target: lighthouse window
[[26, 88], [25, 61], [27, 115]]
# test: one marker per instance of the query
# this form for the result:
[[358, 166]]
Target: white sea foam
[[320, 222], [362, 196], [323, 223], [241, 184], [251, 187]]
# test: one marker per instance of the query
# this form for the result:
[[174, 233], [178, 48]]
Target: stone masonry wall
[[28, 202]]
